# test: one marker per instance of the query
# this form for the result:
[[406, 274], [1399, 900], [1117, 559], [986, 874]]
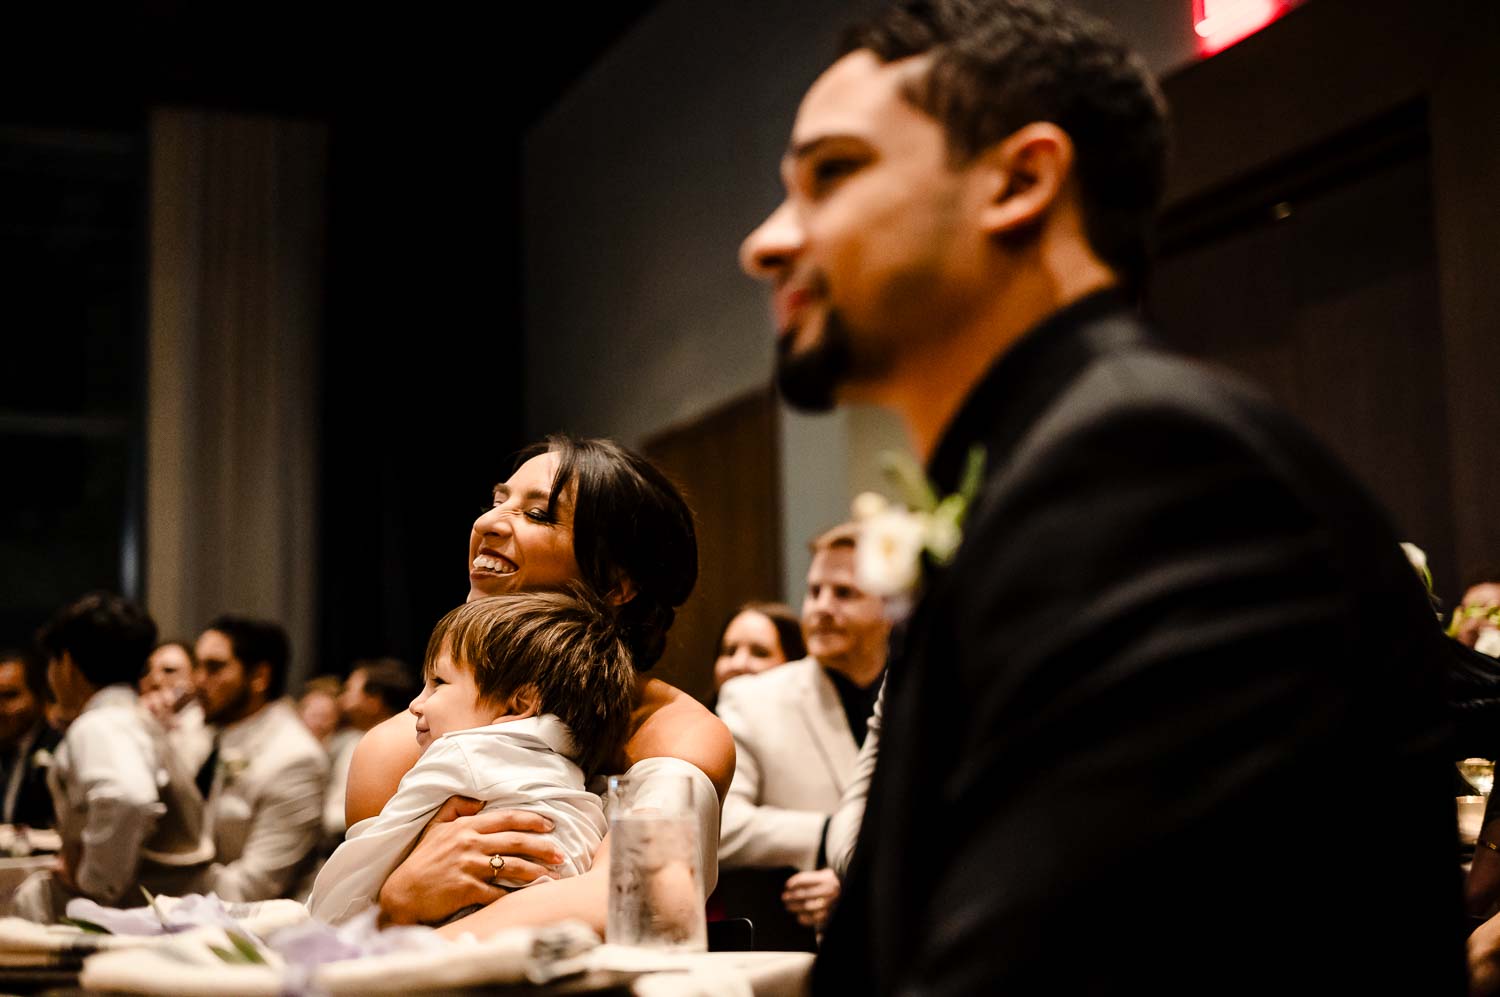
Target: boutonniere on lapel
[[231, 764], [41, 758], [897, 539]]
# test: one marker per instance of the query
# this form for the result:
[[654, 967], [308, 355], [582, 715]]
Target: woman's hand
[[810, 896], [450, 869]]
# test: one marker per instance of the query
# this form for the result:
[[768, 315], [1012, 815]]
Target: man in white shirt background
[[125, 811], [797, 733], [375, 690], [265, 777]]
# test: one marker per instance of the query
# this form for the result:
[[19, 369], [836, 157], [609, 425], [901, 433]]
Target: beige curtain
[[236, 250]]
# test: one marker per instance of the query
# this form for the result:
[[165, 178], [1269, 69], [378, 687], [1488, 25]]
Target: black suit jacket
[[1172, 718], [34, 801]]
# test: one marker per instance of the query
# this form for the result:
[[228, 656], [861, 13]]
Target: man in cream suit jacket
[[265, 778], [797, 732]]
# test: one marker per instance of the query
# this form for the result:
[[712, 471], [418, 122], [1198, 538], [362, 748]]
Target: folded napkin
[[169, 915], [316, 958], [707, 974], [26, 944]]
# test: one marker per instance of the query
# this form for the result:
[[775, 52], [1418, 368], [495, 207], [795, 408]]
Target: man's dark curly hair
[[108, 637], [998, 65]]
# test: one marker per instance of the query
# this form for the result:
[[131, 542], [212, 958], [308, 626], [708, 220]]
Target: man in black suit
[[1170, 719], [26, 742]]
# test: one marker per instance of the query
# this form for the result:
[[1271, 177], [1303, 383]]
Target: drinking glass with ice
[[655, 886]]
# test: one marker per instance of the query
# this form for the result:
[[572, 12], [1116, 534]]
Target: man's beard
[[234, 709], [808, 380]]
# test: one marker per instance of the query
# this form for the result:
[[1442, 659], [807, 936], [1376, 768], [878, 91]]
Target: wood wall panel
[[726, 464]]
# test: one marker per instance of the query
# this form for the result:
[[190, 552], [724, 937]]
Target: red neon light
[[1221, 23]]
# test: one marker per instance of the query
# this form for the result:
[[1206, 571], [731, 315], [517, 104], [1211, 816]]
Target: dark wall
[[1331, 232], [422, 366]]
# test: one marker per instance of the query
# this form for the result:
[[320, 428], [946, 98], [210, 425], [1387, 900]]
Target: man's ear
[[260, 678], [1025, 174]]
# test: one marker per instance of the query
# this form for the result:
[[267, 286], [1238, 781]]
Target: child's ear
[[524, 702]]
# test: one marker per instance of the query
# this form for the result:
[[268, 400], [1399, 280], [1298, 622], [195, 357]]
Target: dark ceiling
[[507, 63]]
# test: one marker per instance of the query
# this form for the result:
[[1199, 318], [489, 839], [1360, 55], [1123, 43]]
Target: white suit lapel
[[823, 715]]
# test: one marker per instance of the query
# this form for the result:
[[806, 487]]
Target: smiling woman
[[526, 539], [573, 511]]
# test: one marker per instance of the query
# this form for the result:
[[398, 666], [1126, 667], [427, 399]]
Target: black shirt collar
[[858, 702], [1022, 380]]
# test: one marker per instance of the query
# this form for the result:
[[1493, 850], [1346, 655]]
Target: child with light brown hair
[[524, 695]]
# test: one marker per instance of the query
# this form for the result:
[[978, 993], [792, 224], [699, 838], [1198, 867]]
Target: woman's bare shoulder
[[669, 722], [385, 754]]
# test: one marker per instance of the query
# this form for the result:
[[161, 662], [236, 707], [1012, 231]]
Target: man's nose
[[769, 251]]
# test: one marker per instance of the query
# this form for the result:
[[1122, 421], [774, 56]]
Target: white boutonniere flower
[[895, 538], [41, 758], [1418, 558], [232, 763]]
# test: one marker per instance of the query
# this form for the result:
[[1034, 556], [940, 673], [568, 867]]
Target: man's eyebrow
[[801, 150]]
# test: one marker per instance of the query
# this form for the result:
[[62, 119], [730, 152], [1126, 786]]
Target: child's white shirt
[[518, 765]]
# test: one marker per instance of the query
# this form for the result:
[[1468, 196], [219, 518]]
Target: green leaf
[[246, 948], [89, 926], [973, 477], [909, 482], [227, 955]]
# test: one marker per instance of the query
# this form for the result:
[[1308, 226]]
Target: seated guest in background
[[1476, 621], [168, 693], [797, 732], [170, 667], [375, 691], [26, 741], [760, 635], [525, 693], [120, 823], [265, 778], [318, 706]]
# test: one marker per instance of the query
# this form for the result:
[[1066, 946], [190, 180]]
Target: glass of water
[[1479, 773], [655, 886]]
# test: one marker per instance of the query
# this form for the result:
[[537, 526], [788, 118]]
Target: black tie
[[206, 773]]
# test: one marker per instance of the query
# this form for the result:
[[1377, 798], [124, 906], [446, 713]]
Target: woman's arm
[[583, 898], [668, 723], [586, 897], [385, 754]]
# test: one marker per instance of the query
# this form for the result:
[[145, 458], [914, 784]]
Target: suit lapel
[[823, 715]]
